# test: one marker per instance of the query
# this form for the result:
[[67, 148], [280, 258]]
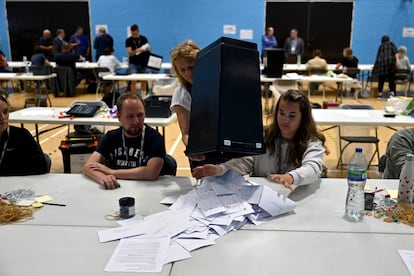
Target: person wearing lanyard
[[133, 151], [138, 49], [294, 147], [294, 47], [20, 154]]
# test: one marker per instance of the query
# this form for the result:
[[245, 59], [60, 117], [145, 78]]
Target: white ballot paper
[[140, 254], [196, 219], [274, 203], [408, 258]]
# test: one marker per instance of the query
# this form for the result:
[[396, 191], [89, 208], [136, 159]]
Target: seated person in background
[[316, 63], [348, 61], [3, 62], [294, 147], [403, 62], [133, 151], [20, 154], [108, 60], [39, 59], [400, 144], [67, 57]]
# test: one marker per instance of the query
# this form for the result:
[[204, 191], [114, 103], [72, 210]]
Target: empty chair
[[357, 139], [100, 82], [170, 166], [315, 85], [48, 162], [65, 81], [403, 77]]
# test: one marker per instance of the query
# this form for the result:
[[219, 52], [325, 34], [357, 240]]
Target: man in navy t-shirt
[[133, 151]]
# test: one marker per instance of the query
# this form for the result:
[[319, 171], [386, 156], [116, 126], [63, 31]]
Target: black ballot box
[[76, 148], [226, 110], [273, 60], [157, 106]]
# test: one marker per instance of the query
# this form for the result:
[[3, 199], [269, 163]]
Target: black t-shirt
[[22, 156], [135, 43], [350, 62], [120, 157]]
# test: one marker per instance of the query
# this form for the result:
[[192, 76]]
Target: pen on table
[[54, 204]]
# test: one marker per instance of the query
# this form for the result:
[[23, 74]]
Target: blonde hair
[[402, 50], [186, 50]]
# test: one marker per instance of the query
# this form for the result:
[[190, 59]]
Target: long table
[[314, 239], [355, 117], [29, 77], [136, 77], [81, 65], [298, 79], [45, 115]]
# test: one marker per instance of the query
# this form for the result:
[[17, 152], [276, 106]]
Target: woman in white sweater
[[294, 147]]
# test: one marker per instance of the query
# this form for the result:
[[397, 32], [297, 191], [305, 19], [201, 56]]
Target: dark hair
[[317, 52], [307, 129], [126, 96], [385, 38], [66, 47], [107, 51], [134, 28]]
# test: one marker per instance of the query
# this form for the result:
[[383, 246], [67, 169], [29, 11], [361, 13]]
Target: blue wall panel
[[166, 23], [4, 38], [373, 19]]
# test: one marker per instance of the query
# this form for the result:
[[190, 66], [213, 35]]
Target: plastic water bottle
[[299, 60], [406, 185], [357, 177], [26, 65]]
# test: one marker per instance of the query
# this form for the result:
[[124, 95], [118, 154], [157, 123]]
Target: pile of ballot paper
[[196, 219]]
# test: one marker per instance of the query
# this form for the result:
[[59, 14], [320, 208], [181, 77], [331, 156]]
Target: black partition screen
[[26, 21], [322, 25]]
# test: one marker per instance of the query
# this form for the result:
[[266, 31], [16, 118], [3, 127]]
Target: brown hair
[[126, 96], [3, 99], [307, 129], [186, 50], [348, 52]]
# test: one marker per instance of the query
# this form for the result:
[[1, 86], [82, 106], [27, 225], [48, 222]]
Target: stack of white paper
[[196, 219]]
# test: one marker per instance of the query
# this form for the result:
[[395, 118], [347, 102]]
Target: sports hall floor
[[50, 141]]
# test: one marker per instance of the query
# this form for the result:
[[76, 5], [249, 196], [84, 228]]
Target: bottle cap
[[358, 150]]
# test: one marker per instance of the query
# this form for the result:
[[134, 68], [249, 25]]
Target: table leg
[[266, 91], [37, 133], [113, 92]]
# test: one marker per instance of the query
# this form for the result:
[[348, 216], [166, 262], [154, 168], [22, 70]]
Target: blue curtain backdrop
[[165, 23]]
